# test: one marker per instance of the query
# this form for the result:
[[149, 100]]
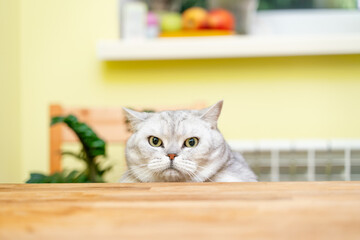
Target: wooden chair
[[108, 123]]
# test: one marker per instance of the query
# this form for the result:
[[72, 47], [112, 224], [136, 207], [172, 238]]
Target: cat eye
[[191, 142], [155, 142]]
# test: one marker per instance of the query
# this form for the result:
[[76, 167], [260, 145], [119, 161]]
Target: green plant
[[306, 4], [185, 4], [93, 148]]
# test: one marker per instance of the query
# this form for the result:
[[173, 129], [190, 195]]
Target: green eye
[[191, 142], [155, 142]]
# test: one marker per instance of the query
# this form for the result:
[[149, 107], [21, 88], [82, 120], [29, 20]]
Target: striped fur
[[211, 160]]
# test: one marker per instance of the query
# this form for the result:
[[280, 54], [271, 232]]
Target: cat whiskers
[[197, 176], [142, 173], [200, 174], [206, 178], [189, 172], [157, 166], [194, 176]]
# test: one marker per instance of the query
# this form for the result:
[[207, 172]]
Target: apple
[[221, 19], [171, 22], [194, 18]]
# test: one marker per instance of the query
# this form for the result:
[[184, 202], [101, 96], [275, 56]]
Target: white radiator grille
[[302, 160]]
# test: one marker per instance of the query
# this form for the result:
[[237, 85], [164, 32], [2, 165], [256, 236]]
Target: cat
[[181, 146]]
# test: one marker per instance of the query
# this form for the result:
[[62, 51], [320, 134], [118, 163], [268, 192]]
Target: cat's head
[[174, 145]]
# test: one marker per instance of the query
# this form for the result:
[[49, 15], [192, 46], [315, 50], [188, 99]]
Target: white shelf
[[229, 47]]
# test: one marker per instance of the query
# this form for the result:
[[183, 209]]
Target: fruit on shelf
[[171, 22], [221, 19], [197, 33], [194, 18]]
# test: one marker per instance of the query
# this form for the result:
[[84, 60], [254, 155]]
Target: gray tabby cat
[[181, 146]]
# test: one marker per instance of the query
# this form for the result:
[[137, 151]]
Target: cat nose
[[172, 156]]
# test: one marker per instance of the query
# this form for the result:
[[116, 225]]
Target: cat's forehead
[[175, 116], [174, 123]]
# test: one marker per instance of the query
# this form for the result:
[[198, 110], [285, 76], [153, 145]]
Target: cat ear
[[212, 113], [135, 117]]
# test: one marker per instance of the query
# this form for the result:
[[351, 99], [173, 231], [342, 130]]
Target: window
[[182, 5], [307, 4]]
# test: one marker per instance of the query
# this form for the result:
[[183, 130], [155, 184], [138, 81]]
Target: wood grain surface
[[293, 210]]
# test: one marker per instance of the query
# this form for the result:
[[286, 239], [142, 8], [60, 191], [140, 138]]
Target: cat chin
[[172, 175]]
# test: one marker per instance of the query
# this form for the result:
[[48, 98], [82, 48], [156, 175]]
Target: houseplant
[[93, 148]]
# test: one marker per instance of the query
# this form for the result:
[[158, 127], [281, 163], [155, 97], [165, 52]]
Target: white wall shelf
[[229, 47]]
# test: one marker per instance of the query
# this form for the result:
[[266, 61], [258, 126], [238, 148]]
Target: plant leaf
[[56, 120], [71, 177], [93, 145], [37, 178], [59, 177]]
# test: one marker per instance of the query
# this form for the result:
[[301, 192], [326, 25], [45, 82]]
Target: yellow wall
[[10, 165], [285, 97]]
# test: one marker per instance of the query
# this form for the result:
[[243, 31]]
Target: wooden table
[[294, 210]]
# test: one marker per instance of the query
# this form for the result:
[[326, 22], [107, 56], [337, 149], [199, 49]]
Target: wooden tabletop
[[156, 211]]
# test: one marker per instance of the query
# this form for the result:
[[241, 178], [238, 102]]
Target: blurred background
[[288, 71]]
